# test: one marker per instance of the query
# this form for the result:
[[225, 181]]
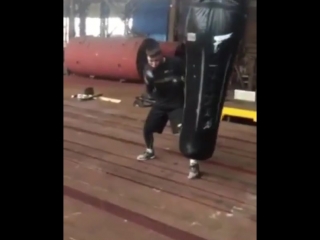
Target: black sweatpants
[[157, 120]]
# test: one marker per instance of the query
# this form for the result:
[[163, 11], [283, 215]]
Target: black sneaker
[[194, 171], [147, 155]]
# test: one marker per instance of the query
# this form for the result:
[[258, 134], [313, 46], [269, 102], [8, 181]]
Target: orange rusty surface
[[170, 49], [109, 195], [114, 57]]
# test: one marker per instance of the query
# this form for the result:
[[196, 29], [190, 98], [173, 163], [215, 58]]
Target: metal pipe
[[113, 58]]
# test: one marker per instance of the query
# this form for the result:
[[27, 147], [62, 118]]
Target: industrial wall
[[151, 18], [116, 27], [94, 13], [251, 29]]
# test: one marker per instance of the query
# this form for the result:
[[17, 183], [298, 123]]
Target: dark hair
[[153, 49]]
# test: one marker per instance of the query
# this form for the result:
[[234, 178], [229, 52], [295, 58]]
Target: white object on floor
[[81, 96], [243, 95], [113, 100]]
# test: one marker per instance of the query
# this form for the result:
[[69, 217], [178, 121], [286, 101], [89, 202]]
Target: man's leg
[[175, 117], [155, 122]]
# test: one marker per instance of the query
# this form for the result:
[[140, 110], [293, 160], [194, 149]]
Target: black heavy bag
[[213, 32]]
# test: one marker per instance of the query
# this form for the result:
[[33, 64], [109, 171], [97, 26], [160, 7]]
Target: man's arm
[[148, 82], [149, 86]]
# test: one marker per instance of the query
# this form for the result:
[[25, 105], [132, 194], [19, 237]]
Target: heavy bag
[[213, 32]]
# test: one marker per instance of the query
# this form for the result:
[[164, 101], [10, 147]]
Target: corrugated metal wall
[[151, 18]]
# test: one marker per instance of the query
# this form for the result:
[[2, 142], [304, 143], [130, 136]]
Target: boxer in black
[[163, 77]]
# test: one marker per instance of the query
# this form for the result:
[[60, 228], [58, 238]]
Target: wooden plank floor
[[109, 195]]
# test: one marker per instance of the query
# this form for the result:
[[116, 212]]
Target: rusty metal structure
[[171, 49], [114, 57]]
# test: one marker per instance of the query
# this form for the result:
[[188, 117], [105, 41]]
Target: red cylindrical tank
[[115, 57], [170, 49]]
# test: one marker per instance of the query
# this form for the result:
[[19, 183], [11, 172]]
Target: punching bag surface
[[213, 32]]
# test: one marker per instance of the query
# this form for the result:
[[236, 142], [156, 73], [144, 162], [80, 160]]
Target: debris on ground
[[88, 94]]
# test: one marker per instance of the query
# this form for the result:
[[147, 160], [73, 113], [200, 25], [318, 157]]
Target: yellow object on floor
[[240, 113]]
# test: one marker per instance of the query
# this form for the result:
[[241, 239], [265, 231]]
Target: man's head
[[154, 55]]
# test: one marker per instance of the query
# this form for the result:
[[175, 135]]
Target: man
[[164, 82]]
